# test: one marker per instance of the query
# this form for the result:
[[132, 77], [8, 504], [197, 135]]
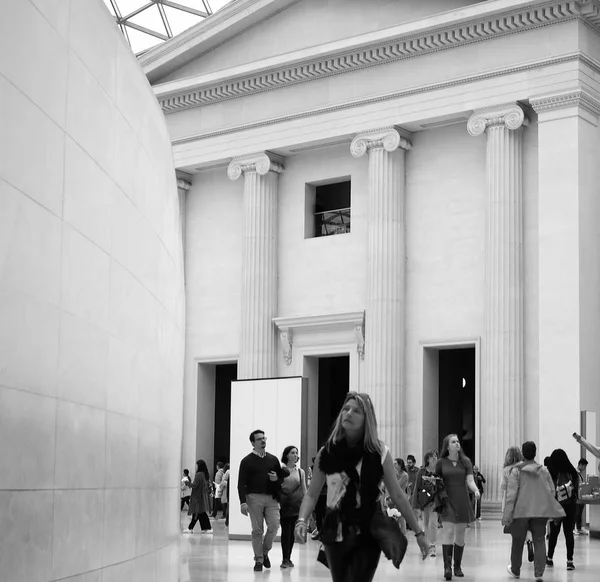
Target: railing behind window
[[332, 222]]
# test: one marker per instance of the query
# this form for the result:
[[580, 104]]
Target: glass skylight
[[146, 23]]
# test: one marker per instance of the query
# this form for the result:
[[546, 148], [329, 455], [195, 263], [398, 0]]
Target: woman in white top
[[354, 462], [293, 490]]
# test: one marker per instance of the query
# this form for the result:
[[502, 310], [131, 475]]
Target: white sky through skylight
[[158, 20]]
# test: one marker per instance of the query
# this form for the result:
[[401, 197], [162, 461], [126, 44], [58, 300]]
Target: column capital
[[387, 138], [262, 163], [510, 116]]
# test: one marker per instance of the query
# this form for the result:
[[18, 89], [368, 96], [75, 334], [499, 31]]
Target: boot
[[458, 554], [447, 550]]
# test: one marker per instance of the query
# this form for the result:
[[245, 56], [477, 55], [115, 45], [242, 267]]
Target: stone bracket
[[359, 330], [286, 336]]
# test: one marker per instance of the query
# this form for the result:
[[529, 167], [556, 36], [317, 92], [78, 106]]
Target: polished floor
[[213, 558]]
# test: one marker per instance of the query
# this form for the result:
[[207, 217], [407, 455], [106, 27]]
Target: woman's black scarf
[[340, 457]]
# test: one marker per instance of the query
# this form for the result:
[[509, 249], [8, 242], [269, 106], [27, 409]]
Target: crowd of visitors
[[360, 503]]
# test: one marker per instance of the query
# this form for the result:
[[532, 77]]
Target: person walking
[[199, 500], [412, 470], [479, 481], [293, 490], [566, 482], [581, 469], [423, 497], [529, 504], [224, 493], [259, 482], [186, 490], [456, 471], [217, 491], [354, 463], [512, 457]]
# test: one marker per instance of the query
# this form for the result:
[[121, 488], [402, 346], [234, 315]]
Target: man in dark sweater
[[259, 482]]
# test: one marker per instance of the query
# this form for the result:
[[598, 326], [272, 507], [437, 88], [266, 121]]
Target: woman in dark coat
[[456, 471], [199, 502], [566, 481]]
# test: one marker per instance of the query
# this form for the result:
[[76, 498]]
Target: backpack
[[426, 494], [564, 488]]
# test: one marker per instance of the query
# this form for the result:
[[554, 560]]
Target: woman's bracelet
[[419, 533], [300, 520]]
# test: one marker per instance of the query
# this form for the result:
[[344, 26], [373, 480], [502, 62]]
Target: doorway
[[456, 397], [224, 375], [333, 385], [451, 393]]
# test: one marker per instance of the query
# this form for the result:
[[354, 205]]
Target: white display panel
[[276, 406]]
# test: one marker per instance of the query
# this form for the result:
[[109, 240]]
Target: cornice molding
[[387, 138], [209, 34], [575, 57], [565, 100], [410, 45], [261, 163], [510, 116]]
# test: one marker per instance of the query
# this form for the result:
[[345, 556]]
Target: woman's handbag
[[322, 556], [387, 533]]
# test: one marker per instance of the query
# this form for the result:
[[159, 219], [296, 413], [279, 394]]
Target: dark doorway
[[224, 374], [334, 383], [457, 397]]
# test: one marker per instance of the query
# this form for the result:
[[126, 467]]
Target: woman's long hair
[[371, 442], [446, 450], [202, 468], [513, 455], [559, 463]]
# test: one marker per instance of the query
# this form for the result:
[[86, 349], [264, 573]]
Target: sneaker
[[582, 532], [284, 564], [207, 531], [530, 551], [258, 567], [188, 531], [549, 562], [290, 564], [432, 552], [266, 561], [570, 565], [509, 570]]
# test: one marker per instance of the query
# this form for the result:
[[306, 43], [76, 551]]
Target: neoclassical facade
[[469, 134]]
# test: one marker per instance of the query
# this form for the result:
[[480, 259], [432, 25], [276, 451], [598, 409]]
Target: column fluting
[[501, 391], [258, 342], [384, 313]]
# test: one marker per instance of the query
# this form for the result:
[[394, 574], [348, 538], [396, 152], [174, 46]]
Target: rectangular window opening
[[328, 209]]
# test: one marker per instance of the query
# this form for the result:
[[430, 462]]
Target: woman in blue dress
[[456, 471]]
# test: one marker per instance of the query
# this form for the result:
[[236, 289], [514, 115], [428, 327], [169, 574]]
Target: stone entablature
[[566, 99], [433, 34]]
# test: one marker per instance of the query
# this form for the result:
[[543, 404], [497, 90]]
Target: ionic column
[[258, 347], [384, 319], [502, 402]]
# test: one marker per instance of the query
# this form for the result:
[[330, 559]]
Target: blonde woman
[[354, 463], [512, 457]]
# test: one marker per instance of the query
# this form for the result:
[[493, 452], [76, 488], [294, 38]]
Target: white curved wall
[[91, 305]]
